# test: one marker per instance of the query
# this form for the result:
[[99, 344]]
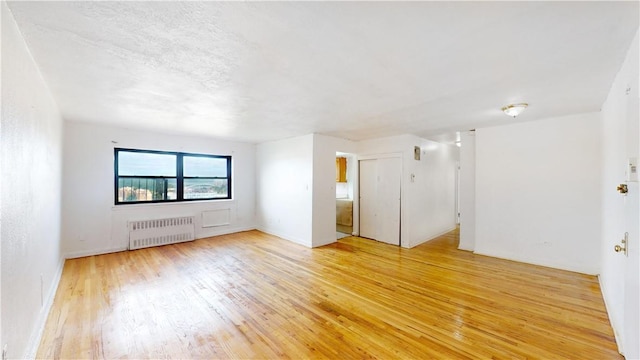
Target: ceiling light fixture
[[514, 109]]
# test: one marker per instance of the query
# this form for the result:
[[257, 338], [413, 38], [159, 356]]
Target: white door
[[631, 320], [631, 330], [368, 198], [388, 225], [380, 199]]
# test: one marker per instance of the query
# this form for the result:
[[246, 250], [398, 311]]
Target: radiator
[[156, 232]]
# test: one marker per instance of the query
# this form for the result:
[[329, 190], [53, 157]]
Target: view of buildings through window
[[156, 176]]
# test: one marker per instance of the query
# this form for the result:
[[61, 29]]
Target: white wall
[[467, 191], [285, 188], [31, 143], [297, 188], [537, 192], [620, 141], [428, 203], [431, 199], [92, 224]]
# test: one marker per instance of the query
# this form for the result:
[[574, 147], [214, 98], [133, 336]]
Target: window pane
[[201, 166], [146, 164], [205, 188], [146, 189], [172, 185]]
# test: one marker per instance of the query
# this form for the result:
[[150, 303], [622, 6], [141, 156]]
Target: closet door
[[368, 198], [389, 175], [380, 199]]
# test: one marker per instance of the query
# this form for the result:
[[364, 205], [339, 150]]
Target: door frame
[[631, 346]]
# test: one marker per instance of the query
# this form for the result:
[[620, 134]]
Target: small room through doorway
[[344, 194]]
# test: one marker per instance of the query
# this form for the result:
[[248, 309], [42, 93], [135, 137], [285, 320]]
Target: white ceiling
[[259, 71]]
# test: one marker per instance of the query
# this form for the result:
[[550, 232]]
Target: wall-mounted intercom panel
[[632, 170]]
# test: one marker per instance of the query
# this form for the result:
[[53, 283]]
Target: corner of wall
[[324, 243], [293, 239], [38, 329], [608, 303], [412, 245], [32, 261]]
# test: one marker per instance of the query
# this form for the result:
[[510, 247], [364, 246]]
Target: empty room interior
[[339, 180]]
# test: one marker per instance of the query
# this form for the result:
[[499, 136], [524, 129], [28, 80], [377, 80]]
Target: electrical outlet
[[4, 352]]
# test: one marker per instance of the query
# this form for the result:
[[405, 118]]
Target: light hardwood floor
[[251, 295]]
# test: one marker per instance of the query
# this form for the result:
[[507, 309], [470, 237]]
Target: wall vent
[[157, 232]]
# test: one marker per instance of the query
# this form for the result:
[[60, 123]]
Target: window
[[146, 176]]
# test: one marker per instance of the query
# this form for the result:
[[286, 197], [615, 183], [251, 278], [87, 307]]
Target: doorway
[[344, 194]]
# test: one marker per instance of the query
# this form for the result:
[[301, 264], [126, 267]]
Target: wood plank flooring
[[253, 296]]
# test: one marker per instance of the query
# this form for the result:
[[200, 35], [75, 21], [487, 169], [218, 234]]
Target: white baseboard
[[223, 230], [507, 255], [85, 253], [464, 248], [429, 239], [325, 242], [218, 231], [284, 236], [616, 334], [38, 330]]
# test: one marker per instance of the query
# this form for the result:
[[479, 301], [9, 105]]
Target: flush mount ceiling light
[[514, 109]]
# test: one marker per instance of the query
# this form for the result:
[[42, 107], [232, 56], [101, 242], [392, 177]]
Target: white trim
[[431, 238], [221, 230], [38, 329], [325, 242], [464, 248], [616, 335], [85, 253], [125, 206], [577, 268], [202, 235], [284, 236]]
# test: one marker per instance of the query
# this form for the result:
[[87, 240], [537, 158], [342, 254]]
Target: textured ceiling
[[357, 70]]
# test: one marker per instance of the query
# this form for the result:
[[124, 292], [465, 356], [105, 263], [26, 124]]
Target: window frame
[[179, 176]]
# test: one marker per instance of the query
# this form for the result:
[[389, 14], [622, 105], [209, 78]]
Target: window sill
[[181, 203]]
